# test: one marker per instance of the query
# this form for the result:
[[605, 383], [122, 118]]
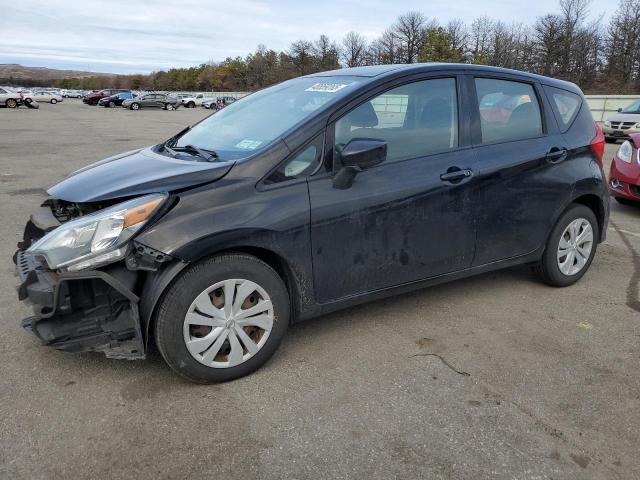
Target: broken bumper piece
[[82, 311]]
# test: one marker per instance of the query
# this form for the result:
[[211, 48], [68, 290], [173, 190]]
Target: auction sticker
[[326, 87]]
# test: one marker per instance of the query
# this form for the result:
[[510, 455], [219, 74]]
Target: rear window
[[508, 110], [566, 105]]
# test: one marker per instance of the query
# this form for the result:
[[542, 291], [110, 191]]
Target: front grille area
[[622, 125]]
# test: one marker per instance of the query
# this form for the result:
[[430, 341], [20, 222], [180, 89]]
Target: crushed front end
[[88, 303]]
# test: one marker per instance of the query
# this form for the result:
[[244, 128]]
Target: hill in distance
[[12, 70]]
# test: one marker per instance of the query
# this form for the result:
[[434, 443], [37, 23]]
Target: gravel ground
[[496, 376]]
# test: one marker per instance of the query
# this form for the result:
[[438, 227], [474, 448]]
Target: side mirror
[[620, 109], [357, 155]]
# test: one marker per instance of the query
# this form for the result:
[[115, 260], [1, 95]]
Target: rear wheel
[[170, 106], [570, 248], [11, 103], [53, 101], [191, 105], [222, 318], [112, 104], [135, 106]]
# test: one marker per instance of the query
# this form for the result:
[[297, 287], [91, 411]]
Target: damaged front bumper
[[82, 311]]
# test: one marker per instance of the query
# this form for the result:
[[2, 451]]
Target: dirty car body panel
[[411, 221]]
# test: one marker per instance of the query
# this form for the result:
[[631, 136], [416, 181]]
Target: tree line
[[601, 57]]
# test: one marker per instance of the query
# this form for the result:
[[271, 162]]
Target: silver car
[[9, 98], [45, 97], [622, 124]]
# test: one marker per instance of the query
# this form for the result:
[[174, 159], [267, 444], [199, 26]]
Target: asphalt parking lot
[[496, 376]]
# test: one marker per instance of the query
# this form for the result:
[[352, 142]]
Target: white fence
[[604, 105]]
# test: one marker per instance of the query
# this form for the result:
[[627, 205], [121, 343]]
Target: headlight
[[607, 124], [637, 125], [97, 238], [625, 152]]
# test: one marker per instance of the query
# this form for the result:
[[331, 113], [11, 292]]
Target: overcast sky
[[140, 36]]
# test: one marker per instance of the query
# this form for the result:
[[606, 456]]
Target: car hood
[[624, 117], [136, 173]]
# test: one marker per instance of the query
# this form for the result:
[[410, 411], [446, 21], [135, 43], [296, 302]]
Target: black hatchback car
[[316, 194]]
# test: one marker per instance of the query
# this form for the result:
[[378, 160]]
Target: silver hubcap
[[575, 246], [228, 323]]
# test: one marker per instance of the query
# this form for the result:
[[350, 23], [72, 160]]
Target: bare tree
[[326, 53], [623, 46], [409, 29], [354, 49]]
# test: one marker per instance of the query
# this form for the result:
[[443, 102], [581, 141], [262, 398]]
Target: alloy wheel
[[228, 323], [574, 249]]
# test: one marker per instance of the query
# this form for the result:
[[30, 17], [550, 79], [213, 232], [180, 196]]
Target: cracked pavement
[[553, 387]]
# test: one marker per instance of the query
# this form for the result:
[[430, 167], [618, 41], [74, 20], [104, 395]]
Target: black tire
[[191, 105], [172, 308], [112, 104], [135, 106], [53, 101], [610, 139], [11, 103], [547, 268]]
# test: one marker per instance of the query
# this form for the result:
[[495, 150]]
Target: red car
[[94, 97], [624, 176]]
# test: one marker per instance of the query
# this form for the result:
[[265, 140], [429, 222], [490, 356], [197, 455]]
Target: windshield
[[249, 125], [633, 108]]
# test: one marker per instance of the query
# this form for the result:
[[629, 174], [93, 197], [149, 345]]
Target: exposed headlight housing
[[625, 152], [98, 238], [607, 124]]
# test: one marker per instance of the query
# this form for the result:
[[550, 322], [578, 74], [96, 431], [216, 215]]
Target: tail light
[[597, 145]]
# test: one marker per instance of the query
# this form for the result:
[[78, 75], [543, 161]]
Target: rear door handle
[[455, 175], [556, 155]]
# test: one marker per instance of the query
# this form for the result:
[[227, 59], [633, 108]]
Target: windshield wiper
[[208, 155]]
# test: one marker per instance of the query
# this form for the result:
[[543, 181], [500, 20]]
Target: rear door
[[408, 218], [519, 149]]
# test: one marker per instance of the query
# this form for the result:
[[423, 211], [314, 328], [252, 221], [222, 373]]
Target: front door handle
[[556, 155], [456, 175]]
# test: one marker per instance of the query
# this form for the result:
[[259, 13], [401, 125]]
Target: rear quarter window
[[566, 106]]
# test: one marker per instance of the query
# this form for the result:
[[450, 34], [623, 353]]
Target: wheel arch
[[155, 286], [596, 205]]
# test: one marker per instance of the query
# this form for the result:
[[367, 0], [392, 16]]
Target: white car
[[50, 97], [196, 100]]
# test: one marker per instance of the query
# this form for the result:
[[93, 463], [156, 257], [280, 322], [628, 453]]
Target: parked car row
[[124, 98]]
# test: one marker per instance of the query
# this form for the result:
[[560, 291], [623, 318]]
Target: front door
[[408, 218]]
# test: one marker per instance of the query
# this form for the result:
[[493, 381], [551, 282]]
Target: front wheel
[[53, 101], [191, 105], [11, 103], [112, 104], [135, 106], [222, 318], [170, 107], [570, 248]]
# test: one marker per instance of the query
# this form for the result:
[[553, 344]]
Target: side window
[[416, 119], [567, 105], [300, 164], [508, 110]]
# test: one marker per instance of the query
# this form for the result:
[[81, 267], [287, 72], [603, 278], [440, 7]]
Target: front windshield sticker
[[326, 87], [248, 144]]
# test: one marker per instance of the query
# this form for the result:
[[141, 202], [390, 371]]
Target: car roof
[[381, 71]]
